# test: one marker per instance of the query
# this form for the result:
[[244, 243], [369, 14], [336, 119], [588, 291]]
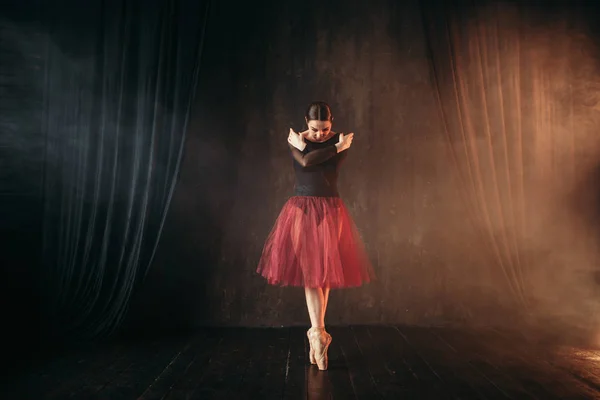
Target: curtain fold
[[120, 84], [508, 82]]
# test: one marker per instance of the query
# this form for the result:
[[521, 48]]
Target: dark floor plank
[[55, 377], [581, 363], [362, 382], [193, 373], [409, 371], [241, 349], [388, 362], [571, 355], [46, 372], [318, 385], [364, 362], [388, 382], [173, 370], [482, 351], [374, 362], [437, 357], [465, 380], [516, 355], [333, 383], [136, 374], [470, 350], [336, 381], [296, 366], [95, 368], [235, 374], [530, 361], [266, 368]]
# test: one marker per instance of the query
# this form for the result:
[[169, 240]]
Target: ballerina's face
[[318, 131]]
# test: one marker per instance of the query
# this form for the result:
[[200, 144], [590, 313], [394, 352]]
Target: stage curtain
[[517, 93], [119, 87]]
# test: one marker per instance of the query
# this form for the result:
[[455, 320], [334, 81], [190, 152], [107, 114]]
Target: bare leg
[[325, 301], [315, 302], [318, 338]]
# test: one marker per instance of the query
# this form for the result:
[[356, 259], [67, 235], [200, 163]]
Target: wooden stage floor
[[366, 362]]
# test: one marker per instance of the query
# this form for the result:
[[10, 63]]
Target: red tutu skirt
[[314, 243]]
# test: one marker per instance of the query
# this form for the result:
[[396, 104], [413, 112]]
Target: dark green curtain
[[119, 79]]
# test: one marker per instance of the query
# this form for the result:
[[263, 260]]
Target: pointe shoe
[[320, 341], [311, 352]]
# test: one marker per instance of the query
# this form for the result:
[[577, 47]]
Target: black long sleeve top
[[317, 168]]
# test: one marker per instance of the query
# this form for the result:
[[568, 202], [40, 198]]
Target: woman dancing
[[314, 242]]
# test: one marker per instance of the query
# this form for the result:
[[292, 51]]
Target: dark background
[[447, 247]]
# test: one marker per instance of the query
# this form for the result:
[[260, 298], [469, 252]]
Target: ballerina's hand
[[296, 140], [344, 142]]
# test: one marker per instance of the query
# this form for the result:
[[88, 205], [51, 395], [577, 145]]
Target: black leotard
[[317, 168]]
